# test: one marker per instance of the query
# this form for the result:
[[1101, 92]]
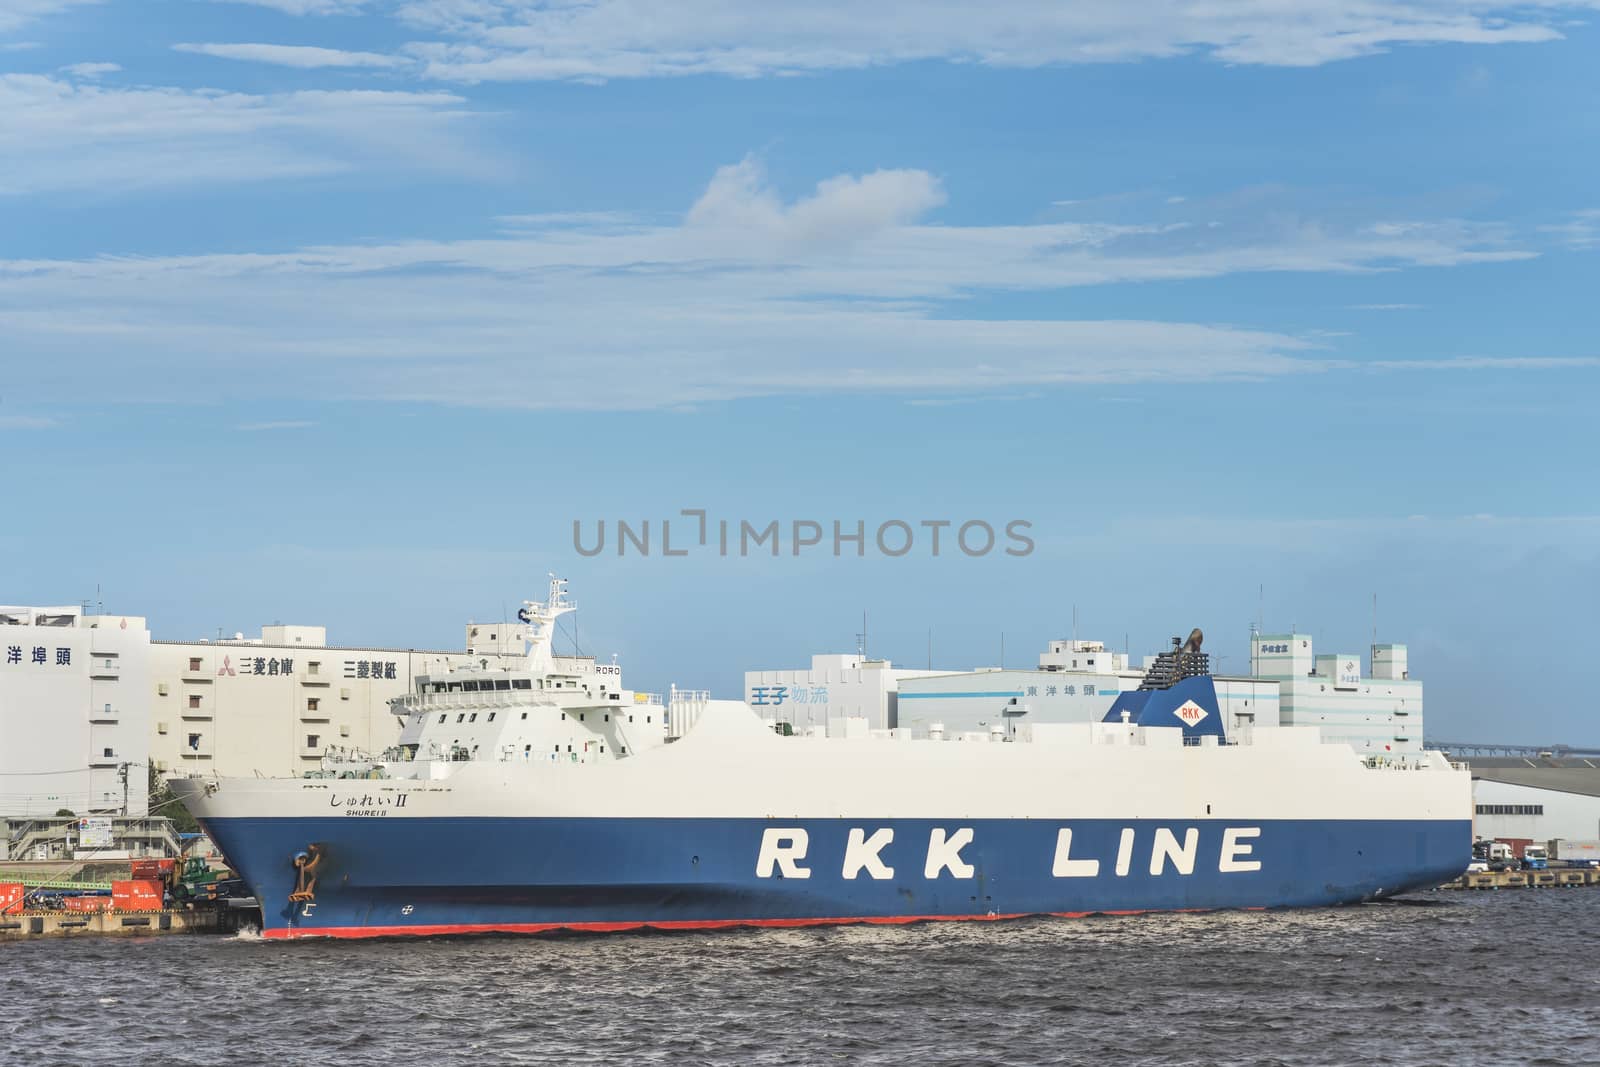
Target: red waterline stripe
[[443, 929]]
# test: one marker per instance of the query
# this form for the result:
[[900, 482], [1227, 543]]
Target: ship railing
[[684, 710], [492, 699]]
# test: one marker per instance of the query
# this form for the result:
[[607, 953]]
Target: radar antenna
[[541, 620]]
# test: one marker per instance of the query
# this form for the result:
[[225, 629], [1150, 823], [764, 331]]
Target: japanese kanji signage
[[38, 656], [369, 668]]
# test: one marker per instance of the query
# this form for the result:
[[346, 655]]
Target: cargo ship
[[551, 798]]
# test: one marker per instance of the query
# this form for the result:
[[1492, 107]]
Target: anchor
[[306, 864]]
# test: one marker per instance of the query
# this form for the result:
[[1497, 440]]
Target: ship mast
[[541, 620]]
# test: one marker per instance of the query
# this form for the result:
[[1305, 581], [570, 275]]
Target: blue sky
[[341, 311]]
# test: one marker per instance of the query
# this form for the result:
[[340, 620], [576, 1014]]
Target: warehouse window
[[314, 667], [1510, 809], [311, 740], [194, 700], [194, 742], [311, 703], [194, 663]]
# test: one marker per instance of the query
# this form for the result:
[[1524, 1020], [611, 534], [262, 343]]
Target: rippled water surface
[[1449, 978]]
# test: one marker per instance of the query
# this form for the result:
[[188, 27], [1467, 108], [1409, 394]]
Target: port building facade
[[1536, 798], [90, 704], [275, 704], [1377, 711], [1375, 708], [74, 712], [838, 693]]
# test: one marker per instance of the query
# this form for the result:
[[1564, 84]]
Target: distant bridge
[[1480, 748]]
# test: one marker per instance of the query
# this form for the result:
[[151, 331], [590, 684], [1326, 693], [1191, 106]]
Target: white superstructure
[[533, 708]]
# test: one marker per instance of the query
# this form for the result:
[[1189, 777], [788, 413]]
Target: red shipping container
[[151, 870], [136, 896], [11, 894], [86, 903]]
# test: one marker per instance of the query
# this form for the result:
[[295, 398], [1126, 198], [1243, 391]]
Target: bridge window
[[521, 683], [470, 687], [502, 683]]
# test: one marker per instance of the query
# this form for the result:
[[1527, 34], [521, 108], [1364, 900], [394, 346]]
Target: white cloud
[[62, 134], [309, 7], [740, 205], [27, 422], [599, 39], [851, 288], [91, 70], [284, 55], [15, 13], [1581, 231], [276, 424]]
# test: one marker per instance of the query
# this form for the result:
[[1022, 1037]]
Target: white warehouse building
[[1075, 682], [837, 688], [74, 712], [1536, 798], [275, 704], [1377, 712], [89, 704]]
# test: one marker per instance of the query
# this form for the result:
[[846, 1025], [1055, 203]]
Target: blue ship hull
[[429, 876]]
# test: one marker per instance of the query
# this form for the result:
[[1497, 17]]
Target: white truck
[[1571, 853]]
